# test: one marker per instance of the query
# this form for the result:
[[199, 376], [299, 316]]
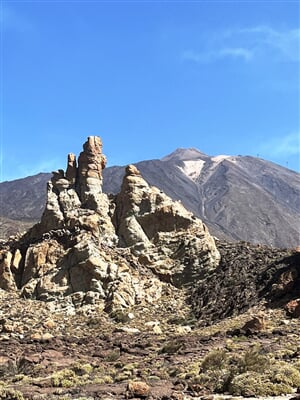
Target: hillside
[[239, 198]]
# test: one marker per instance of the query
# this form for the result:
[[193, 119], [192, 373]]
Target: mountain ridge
[[238, 197]]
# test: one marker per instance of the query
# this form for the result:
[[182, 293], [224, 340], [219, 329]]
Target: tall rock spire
[[75, 198], [91, 162]]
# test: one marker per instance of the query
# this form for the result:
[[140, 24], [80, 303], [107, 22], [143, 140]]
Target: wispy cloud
[[288, 145], [286, 43], [227, 52], [236, 52], [247, 44]]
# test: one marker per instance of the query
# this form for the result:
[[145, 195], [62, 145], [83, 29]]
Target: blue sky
[[148, 77]]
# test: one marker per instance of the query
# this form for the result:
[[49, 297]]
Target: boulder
[[293, 308]]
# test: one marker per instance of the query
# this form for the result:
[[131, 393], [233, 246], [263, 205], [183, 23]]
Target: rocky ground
[[55, 351], [130, 296]]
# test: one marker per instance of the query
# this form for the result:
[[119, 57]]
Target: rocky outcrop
[[114, 252], [74, 198], [167, 238]]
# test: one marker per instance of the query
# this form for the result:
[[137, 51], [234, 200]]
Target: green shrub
[[253, 383], [282, 372], [214, 380], [215, 360], [82, 369], [171, 347], [10, 394], [113, 355], [65, 378], [119, 316], [252, 360]]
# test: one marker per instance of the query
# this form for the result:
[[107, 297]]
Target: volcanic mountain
[[239, 198]]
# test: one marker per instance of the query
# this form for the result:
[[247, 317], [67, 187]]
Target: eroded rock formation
[[167, 238], [115, 251]]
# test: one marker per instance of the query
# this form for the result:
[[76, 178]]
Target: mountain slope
[[239, 198]]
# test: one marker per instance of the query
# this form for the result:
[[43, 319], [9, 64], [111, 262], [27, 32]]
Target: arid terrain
[[130, 296]]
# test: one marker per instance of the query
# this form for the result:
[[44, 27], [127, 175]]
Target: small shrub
[[130, 367], [182, 320], [253, 383], [171, 347], [113, 355], [282, 372], [65, 378], [123, 376], [252, 360], [297, 365], [214, 380], [215, 360], [82, 369], [102, 380], [119, 316], [10, 394]]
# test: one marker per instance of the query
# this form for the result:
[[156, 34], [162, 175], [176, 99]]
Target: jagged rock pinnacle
[[113, 250], [132, 170], [91, 162]]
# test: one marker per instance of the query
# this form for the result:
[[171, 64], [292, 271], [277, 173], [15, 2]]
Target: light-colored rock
[[126, 329], [157, 330], [7, 280], [113, 252], [166, 237], [183, 330], [91, 162]]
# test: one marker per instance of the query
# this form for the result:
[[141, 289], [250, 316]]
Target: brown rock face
[[138, 389], [256, 324], [71, 171], [7, 278], [91, 162]]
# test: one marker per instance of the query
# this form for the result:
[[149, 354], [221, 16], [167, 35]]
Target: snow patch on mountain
[[220, 158], [192, 168]]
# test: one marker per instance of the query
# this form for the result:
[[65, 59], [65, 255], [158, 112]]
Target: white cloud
[[236, 52], [286, 43], [227, 52], [247, 44]]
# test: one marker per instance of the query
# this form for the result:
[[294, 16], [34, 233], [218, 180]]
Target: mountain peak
[[181, 154]]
